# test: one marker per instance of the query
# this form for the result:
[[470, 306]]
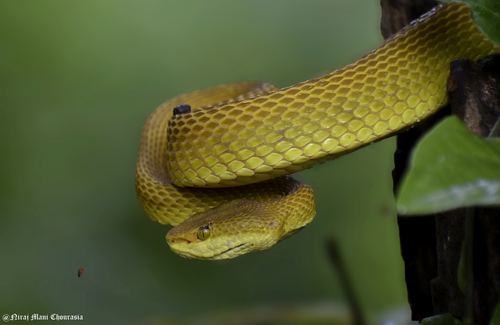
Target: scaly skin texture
[[252, 217], [273, 134]]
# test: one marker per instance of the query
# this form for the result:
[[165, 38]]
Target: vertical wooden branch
[[431, 246]]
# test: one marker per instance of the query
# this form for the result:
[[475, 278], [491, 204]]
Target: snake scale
[[220, 172]]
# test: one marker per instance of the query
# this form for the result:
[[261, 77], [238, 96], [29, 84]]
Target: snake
[[219, 171]]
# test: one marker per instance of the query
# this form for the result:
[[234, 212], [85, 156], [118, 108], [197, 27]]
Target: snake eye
[[203, 233]]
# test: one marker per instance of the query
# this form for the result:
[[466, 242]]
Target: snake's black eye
[[182, 109], [203, 232]]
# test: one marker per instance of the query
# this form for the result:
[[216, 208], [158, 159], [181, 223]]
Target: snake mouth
[[181, 246], [235, 247], [231, 252]]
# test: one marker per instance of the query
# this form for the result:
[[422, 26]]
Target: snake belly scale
[[221, 170]]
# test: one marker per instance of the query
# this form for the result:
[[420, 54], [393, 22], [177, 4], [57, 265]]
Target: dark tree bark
[[396, 14], [474, 90], [431, 246]]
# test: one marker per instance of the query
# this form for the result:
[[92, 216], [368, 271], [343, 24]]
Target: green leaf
[[495, 320], [486, 15], [450, 168], [445, 319]]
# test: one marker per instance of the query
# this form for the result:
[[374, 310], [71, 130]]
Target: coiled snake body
[[220, 171]]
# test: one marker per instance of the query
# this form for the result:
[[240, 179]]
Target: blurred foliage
[[445, 319], [317, 314], [496, 316], [80, 78]]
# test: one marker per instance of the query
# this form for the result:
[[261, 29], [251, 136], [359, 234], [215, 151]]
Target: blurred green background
[[79, 79]]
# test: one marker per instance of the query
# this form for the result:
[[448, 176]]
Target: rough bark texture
[[474, 90], [396, 14], [431, 246]]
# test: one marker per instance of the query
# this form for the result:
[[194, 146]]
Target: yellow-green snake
[[219, 173]]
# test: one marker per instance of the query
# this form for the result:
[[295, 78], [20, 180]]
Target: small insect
[[80, 271], [182, 109]]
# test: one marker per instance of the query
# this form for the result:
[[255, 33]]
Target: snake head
[[230, 230]]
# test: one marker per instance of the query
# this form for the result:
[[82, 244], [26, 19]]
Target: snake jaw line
[[218, 249]]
